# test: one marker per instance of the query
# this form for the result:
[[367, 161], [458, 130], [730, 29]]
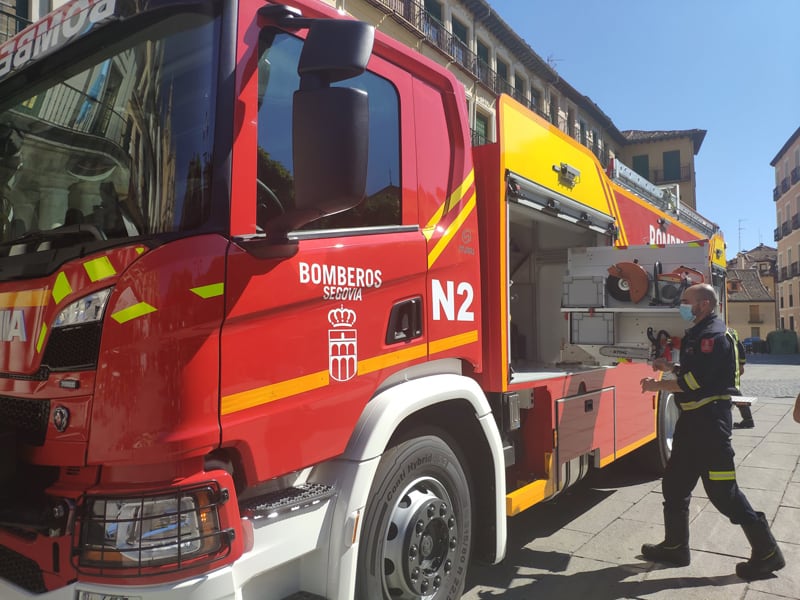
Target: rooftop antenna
[[552, 61]]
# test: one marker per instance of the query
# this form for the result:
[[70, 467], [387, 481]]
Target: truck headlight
[[134, 533], [74, 342], [84, 310]]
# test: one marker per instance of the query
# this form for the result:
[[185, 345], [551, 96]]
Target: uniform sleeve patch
[[707, 345]]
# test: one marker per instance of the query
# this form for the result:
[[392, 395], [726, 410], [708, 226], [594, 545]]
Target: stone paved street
[[586, 543]]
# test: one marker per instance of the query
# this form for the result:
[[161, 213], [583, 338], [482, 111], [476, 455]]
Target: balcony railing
[[785, 228], [776, 193], [783, 273], [660, 176], [776, 234], [428, 26], [795, 222], [795, 175], [11, 25], [784, 185], [478, 138], [794, 269]]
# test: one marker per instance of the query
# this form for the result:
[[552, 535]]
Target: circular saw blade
[[618, 288], [627, 282]]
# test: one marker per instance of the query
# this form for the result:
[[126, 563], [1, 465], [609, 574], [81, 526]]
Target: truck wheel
[[415, 539], [656, 454]]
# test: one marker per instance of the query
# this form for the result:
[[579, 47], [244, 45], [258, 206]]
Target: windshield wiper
[[66, 235]]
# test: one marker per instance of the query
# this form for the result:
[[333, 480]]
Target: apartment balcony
[[503, 86], [10, 24], [776, 193], [776, 235], [660, 176], [419, 20], [785, 229], [519, 96], [784, 185], [795, 222], [784, 274], [795, 175]]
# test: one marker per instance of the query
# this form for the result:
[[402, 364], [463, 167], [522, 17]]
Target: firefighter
[[741, 358], [705, 380]]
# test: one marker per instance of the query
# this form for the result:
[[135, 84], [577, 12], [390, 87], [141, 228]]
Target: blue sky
[[731, 67]]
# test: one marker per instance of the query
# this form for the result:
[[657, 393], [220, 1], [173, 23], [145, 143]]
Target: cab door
[[308, 337]]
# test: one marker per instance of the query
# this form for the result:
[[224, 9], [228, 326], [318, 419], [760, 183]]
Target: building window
[[480, 135], [433, 28], [519, 88], [434, 9], [535, 103], [482, 50], [754, 314], [672, 165], [460, 32], [554, 109], [461, 43], [641, 164], [583, 133], [503, 84]]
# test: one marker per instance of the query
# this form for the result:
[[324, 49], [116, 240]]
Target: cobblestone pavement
[[586, 542]]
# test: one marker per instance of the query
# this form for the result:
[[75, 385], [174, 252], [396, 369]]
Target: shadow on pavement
[[598, 584]]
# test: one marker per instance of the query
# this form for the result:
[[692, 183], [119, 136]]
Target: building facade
[[786, 196], [489, 58], [751, 307]]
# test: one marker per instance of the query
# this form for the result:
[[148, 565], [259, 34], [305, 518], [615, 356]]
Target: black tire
[[417, 530], [654, 456]]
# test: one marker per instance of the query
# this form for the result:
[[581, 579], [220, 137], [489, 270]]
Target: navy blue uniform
[[707, 376]]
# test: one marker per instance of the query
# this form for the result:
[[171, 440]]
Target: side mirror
[[330, 125]]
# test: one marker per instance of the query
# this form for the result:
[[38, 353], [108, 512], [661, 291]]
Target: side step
[[287, 502]]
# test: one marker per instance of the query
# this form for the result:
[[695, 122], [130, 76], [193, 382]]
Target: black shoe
[[761, 568], [675, 555], [744, 424], [766, 556]]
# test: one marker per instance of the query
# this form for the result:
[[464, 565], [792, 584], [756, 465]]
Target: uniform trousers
[[702, 449]]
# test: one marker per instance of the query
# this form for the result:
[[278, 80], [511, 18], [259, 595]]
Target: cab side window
[[279, 53]]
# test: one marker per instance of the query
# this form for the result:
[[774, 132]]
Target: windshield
[[119, 150]]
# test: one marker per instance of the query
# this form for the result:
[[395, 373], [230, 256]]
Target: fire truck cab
[[272, 328]]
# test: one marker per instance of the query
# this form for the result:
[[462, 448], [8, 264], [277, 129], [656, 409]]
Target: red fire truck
[[271, 328]]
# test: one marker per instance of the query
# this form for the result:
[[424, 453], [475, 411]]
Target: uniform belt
[[702, 402]]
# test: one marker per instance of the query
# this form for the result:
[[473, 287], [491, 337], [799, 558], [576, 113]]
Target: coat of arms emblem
[[342, 344]]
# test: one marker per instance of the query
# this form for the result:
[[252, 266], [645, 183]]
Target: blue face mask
[[686, 312]]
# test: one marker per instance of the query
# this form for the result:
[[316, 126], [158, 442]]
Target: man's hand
[[649, 384]]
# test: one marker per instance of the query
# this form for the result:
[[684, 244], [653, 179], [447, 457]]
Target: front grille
[[73, 347], [27, 418], [21, 571]]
